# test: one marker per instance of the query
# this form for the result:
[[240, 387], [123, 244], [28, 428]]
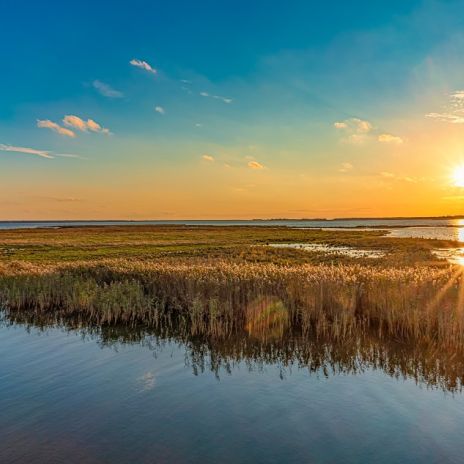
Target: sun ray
[[441, 293]]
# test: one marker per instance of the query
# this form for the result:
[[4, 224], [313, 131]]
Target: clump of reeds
[[417, 303]]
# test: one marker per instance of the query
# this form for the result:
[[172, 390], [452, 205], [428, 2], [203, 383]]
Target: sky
[[231, 109]]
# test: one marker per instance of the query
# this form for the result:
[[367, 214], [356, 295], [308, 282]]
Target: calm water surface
[[444, 229], [70, 397]]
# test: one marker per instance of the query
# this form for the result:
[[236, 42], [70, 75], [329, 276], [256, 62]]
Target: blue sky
[[226, 100]]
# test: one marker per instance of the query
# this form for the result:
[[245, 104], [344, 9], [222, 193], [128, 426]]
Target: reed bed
[[411, 303]]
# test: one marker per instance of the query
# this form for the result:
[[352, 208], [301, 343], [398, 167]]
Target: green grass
[[51, 246]]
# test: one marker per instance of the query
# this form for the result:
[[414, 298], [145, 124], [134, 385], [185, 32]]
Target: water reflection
[[269, 339], [452, 255], [459, 230], [351, 252], [453, 231]]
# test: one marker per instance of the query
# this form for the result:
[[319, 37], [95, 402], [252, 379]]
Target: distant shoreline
[[339, 219]]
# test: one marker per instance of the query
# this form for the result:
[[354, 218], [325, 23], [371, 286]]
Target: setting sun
[[458, 176]]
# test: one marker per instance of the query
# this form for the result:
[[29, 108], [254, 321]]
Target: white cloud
[[143, 65], [106, 90], [356, 130], [346, 167], [198, 124], [68, 155], [458, 95], [160, 110], [208, 157], [360, 126], [25, 150], [41, 153], [359, 131], [453, 109], [447, 117], [255, 165], [217, 97], [356, 139], [47, 124], [389, 138], [90, 125]]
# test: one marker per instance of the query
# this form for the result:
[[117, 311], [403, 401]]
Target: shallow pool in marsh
[[75, 397]]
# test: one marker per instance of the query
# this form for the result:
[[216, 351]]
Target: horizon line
[[354, 218]]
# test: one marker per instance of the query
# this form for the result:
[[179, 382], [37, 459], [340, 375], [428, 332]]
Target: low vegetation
[[225, 280], [238, 244]]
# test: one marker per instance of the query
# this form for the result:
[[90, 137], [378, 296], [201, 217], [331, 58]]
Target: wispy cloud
[[453, 109], [47, 124], [452, 117], [255, 165], [60, 199], [68, 155], [25, 150], [208, 158], [33, 151], [217, 97], [356, 130], [78, 123], [106, 90], [356, 139], [396, 177], [359, 131], [389, 138], [360, 126], [346, 167], [160, 110], [143, 65]]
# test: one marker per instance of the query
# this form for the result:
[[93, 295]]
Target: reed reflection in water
[[103, 393], [268, 338]]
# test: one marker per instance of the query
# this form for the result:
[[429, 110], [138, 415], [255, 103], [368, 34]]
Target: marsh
[[193, 343]]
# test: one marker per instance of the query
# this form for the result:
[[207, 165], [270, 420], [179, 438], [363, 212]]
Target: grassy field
[[223, 280], [239, 244]]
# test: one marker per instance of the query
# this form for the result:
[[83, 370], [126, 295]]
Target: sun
[[458, 176]]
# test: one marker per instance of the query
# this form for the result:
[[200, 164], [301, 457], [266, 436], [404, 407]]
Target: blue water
[[336, 223], [65, 398], [443, 229]]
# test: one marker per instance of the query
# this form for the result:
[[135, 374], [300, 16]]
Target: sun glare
[[458, 176]]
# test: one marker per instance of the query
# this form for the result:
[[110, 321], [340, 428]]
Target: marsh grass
[[220, 280], [411, 303], [238, 244]]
